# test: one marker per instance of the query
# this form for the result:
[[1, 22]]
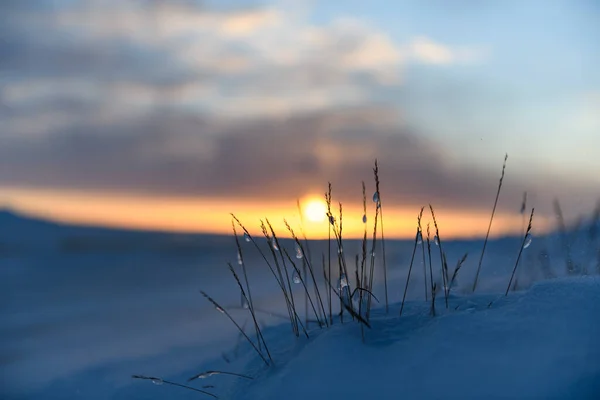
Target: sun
[[315, 209]]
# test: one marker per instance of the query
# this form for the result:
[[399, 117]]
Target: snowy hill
[[539, 344], [79, 320]]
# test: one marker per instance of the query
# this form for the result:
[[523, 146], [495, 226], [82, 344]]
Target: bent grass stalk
[[308, 263], [350, 309], [224, 311], [160, 381], [259, 335], [208, 374], [456, 269], [487, 235]]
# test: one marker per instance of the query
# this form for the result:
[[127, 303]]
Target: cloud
[[183, 155], [428, 51], [172, 98], [165, 54]]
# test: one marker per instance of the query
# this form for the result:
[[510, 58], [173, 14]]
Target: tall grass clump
[[293, 316], [487, 235], [299, 269]]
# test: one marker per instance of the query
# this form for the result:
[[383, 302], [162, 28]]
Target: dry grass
[[487, 235], [412, 259], [160, 381], [280, 264], [527, 232]]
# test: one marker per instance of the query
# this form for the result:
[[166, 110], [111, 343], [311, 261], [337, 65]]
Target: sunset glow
[[172, 114], [213, 216], [315, 210]]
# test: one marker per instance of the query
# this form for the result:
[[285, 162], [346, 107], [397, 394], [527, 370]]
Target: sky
[[170, 114]]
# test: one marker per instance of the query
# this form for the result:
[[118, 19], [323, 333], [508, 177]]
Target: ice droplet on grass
[[219, 309], [528, 240], [436, 240], [299, 254], [240, 262], [419, 237], [207, 374], [343, 282], [296, 277], [274, 244], [376, 198], [364, 219], [157, 381], [332, 220], [246, 237]]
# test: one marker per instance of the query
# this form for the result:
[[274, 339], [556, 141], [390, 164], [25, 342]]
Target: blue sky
[[235, 99]]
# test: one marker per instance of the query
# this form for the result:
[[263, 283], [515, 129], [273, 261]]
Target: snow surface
[[540, 344], [83, 309]]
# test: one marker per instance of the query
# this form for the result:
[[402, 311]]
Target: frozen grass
[[365, 284]]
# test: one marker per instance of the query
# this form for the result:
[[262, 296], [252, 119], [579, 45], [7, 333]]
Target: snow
[[542, 343], [84, 309]]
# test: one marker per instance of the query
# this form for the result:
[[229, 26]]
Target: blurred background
[[170, 114]]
